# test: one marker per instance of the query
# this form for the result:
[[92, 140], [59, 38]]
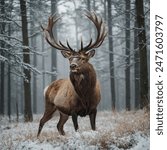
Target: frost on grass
[[115, 131]]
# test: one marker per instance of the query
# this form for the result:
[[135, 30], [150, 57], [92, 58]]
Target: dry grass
[[126, 123], [132, 122], [115, 128]]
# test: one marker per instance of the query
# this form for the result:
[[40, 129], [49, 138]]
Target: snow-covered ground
[[115, 131]]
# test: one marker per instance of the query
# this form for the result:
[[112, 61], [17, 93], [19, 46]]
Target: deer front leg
[[62, 121], [92, 117], [75, 120]]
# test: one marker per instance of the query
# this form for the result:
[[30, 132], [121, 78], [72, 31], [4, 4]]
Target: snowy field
[[115, 131]]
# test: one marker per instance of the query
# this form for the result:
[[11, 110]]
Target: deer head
[[82, 56]]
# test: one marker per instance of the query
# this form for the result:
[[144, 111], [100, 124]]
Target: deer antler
[[101, 32], [50, 37]]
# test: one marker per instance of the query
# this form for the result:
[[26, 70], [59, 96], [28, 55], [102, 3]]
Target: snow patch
[[115, 131]]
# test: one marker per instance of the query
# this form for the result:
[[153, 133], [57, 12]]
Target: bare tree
[[26, 58], [53, 52], [9, 10], [127, 54], [142, 53], [88, 5], [33, 45], [112, 81], [2, 46], [136, 67]]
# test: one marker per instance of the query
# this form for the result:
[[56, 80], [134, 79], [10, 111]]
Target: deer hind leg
[[92, 117], [75, 121], [49, 110], [62, 121]]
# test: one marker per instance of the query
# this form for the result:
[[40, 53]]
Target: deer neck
[[84, 81]]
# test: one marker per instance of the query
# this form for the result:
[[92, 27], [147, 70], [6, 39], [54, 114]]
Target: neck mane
[[84, 82]]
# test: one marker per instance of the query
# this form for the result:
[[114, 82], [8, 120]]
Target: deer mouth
[[74, 70]]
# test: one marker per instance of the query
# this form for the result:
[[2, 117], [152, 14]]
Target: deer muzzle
[[74, 67]]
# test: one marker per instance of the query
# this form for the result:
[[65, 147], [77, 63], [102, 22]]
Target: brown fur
[[78, 95]]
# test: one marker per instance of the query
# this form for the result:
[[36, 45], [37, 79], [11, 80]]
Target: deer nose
[[73, 66]]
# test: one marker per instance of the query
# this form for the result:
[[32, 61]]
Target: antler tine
[[101, 31], [69, 46], [50, 37]]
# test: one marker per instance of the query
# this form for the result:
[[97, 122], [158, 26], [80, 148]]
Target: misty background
[[117, 61]]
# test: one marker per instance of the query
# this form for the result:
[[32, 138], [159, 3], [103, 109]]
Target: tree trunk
[[9, 93], [136, 67], [53, 51], [105, 10], [33, 45], [143, 54], [2, 45], [35, 83], [9, 75], [26, 58], [88, 5], [111, 58], [127, 54], [43, 62], [76, 25]]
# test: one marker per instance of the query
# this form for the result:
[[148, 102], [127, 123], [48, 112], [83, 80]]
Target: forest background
[[28, 64]]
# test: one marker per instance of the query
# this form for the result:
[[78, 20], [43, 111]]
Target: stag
[[78, 95]]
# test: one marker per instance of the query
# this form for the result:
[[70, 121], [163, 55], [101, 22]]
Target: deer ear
[[90, 53], [66, 54]]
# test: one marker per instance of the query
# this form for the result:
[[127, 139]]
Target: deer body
[[67, 100], [78, 95]]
